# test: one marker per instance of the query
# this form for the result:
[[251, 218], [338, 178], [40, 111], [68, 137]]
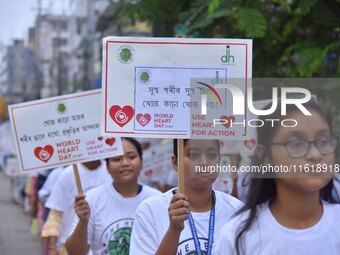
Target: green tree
[[291, 38]]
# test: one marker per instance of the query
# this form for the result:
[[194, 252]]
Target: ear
[[174, 161]]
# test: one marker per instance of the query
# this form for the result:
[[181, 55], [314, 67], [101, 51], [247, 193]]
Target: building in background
[[16, 68], [85, 72], [52, 54], [63, 53]]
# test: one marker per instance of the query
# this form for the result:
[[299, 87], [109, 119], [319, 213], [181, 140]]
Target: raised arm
[[77, 243], [178, 213]]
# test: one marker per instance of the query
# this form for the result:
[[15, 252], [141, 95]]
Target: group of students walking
[[283, 214]]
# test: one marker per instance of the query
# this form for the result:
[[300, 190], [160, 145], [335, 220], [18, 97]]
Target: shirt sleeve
[[224, 243], [144, 237], [57, 200], [52, 226]]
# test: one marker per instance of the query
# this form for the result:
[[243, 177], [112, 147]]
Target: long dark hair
[[262, 190]]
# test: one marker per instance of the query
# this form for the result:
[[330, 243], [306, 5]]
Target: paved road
[[15, 236]]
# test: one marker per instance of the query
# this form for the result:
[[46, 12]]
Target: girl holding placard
[[175, 223], [106, 215]]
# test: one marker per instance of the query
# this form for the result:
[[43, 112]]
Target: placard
[[175, 87], [157, 163], [60, 131]]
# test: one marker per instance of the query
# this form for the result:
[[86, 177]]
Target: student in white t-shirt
[[61, 215], [294, 213], [172, 223], [106, 215]]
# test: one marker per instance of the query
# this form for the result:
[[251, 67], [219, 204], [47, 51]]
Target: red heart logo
[[121, 115], [148, 173], [229, 120], [250, 144], [44, 154], [143, 119], [110, 141], [100, 138]]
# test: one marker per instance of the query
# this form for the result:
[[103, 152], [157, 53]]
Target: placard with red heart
[[121, 116], [110, 141], [44, 154], [229, 120], [249, 144], [143, 119]]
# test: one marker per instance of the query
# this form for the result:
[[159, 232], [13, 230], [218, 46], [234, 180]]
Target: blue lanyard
[[211, 230]]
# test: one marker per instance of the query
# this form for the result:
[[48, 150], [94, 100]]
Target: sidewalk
[[15, 236]]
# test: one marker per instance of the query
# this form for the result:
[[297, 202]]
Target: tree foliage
[[291, 38], [296, 38]]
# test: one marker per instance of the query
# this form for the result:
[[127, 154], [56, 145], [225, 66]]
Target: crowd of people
[[272, 213]]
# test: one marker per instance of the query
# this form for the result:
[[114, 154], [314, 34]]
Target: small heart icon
[[250, 144], [229, 120], [100, 138], [110, 141], [143, 119], [121, 115], [44, 154]]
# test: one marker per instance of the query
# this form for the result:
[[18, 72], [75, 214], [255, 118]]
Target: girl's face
[[309, 128], [125, 168], [198, 155]]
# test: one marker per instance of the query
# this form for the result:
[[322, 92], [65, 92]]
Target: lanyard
[[211, 230]]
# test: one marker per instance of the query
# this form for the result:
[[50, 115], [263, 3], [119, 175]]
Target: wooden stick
[[77, 177], [180, 165], [180, 159]]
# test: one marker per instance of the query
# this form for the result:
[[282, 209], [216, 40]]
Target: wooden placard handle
[[77, 177], [180, 165]]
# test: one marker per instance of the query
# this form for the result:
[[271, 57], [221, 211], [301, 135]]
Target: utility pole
[[37, 65]]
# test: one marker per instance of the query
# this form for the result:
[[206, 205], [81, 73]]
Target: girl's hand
[[178, 212], [82, 208]]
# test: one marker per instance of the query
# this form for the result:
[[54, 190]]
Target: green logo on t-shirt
[[116, 237], [120, 243], [187, 247]]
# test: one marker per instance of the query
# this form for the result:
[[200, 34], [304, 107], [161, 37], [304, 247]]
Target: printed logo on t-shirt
[[116, 237], [187, 247]]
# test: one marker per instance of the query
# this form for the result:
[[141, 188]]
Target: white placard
[[157, 163], [12, 167], [61, 130], [155, 87]]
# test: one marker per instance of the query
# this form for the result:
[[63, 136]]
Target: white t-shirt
[[268, 237], [46, 189], [65, 190], [152, 222], [111, 219]]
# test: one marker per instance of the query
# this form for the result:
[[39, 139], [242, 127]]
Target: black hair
[[185, 141], [135, 143], [262, 190], [175, 145]]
